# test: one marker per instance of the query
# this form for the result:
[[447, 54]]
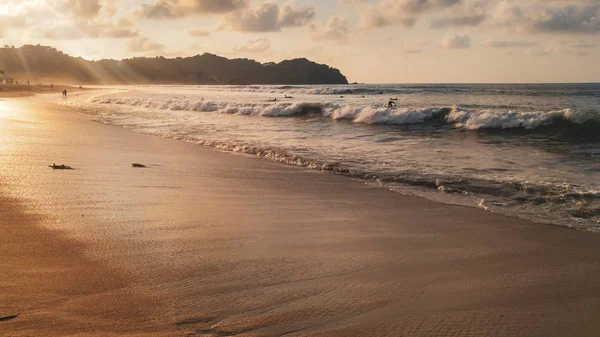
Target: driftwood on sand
[[138, 165], [8, 318], [60, 167]]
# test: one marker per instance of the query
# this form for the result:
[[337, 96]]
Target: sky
[[373, 41]]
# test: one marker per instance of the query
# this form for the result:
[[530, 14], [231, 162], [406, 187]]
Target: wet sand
[[216, 244]]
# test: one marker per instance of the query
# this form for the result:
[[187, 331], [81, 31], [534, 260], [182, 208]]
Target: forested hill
[[42, 64]]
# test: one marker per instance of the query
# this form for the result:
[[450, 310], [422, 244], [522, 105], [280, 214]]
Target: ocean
[[524, 150]]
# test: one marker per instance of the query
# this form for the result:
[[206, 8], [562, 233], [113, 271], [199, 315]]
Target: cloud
[[490, 43], [63, 33], [559, 48], [267, 17], [399, 12], [161, 9], [120, 33], [552, 17], [9, 22], [82, 8], [168, 9], [584, 45], [143, 44], [571, 19], [253, 46], [337, 29], [292, 17], [457, 21], [352, 2], [199, 33], [455, 41], [91, 29], [373, 18]]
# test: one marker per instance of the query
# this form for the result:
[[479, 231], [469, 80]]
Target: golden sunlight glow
[[13, 8]]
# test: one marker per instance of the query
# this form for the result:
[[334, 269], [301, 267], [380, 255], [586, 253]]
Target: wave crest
[[486, 119], [455, 116]]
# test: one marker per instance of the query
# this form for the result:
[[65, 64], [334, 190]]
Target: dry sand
[[215, 244], [24, 90]]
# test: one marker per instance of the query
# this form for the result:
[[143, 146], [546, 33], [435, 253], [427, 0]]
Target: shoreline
[[541, 187], [26, 90], [235, 245]]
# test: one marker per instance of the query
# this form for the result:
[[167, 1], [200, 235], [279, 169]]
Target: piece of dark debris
[[8, 318], [60, 167]]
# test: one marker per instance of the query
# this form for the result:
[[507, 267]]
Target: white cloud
[[169, 9], [399, 12], [80, 8], [267, 17], [337, 28], [571, 19], [551, 17]]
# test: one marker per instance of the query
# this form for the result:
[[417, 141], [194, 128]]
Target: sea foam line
[[456, 116]]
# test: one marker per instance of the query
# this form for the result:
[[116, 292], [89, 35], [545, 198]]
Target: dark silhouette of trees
[[47, 64]]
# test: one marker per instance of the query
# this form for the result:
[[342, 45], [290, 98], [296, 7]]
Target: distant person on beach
[[64, 93], [51, 86], [391, 104]]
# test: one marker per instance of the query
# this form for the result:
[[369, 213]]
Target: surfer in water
[[64, 93], [391, 104]]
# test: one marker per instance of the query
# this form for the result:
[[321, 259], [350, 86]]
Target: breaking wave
[[455, 116]]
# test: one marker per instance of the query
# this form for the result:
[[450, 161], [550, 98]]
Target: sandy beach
[[25, 90], [207, 243]]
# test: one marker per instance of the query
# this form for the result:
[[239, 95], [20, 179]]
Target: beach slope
[[207, 243]]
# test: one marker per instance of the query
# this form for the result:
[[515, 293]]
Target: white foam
[[487, 119], [356, 113], [359, 113]]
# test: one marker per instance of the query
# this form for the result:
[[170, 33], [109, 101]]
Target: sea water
[[524, 150]]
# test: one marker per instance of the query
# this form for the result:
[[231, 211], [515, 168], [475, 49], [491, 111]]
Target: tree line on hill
[[43, 64]]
